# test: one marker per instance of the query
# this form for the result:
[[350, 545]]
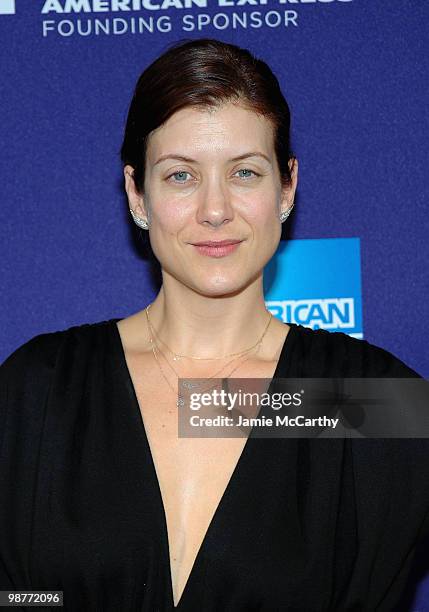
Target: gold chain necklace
[[205, 377], [180, 402], [177, 356], [152, 340]]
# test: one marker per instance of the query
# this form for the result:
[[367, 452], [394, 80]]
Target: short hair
[[204, 73]]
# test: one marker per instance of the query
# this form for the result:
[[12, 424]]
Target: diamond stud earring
[[139, 221], [285, 214]]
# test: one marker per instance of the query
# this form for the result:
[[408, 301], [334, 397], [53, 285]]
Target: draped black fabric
[[303, 525]]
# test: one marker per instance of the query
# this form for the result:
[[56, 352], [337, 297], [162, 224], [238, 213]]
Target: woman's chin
[[219, 286]]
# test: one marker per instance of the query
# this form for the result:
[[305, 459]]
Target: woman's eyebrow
[[190, 160]]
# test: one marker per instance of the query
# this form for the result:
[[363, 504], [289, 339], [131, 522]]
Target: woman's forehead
[[226, 131]]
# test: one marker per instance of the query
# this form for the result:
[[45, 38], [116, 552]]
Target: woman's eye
[[181, 174], [246, 170]]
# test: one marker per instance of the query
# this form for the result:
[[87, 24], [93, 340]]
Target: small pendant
[[176, 358]]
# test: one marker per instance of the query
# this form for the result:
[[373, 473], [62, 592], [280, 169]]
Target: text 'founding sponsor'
[[92, 23]]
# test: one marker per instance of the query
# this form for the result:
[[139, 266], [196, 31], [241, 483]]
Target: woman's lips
[[217, 250]]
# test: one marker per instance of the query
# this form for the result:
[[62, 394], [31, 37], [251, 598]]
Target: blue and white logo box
[[7, 7], [317, 283]]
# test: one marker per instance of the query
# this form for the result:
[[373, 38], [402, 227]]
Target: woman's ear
[[135, 199], [288, 191]]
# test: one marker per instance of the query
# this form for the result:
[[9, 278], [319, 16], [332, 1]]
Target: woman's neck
[[203, 326]]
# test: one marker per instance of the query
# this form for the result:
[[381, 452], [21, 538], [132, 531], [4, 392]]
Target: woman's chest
[[193, 474], [115, 485]]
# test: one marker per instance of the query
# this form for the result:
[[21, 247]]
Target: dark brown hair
[[204, 73]]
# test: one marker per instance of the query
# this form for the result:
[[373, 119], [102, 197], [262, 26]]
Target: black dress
[[304, 524]]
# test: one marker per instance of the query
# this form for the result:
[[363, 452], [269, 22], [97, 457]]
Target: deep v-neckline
[[283, 361]]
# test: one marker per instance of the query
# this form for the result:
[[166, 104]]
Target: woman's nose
[[214, 202]]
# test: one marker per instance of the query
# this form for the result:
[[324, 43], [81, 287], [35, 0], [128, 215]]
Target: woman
[[104, 501]]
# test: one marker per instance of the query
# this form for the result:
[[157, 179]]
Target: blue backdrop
[[355, 75]]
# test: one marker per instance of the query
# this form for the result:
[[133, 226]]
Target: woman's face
[[212, 176]]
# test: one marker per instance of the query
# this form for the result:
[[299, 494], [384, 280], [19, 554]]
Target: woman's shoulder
[[40, 352], [387, 471], [42, 370], [40, 348], [334, 353]]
